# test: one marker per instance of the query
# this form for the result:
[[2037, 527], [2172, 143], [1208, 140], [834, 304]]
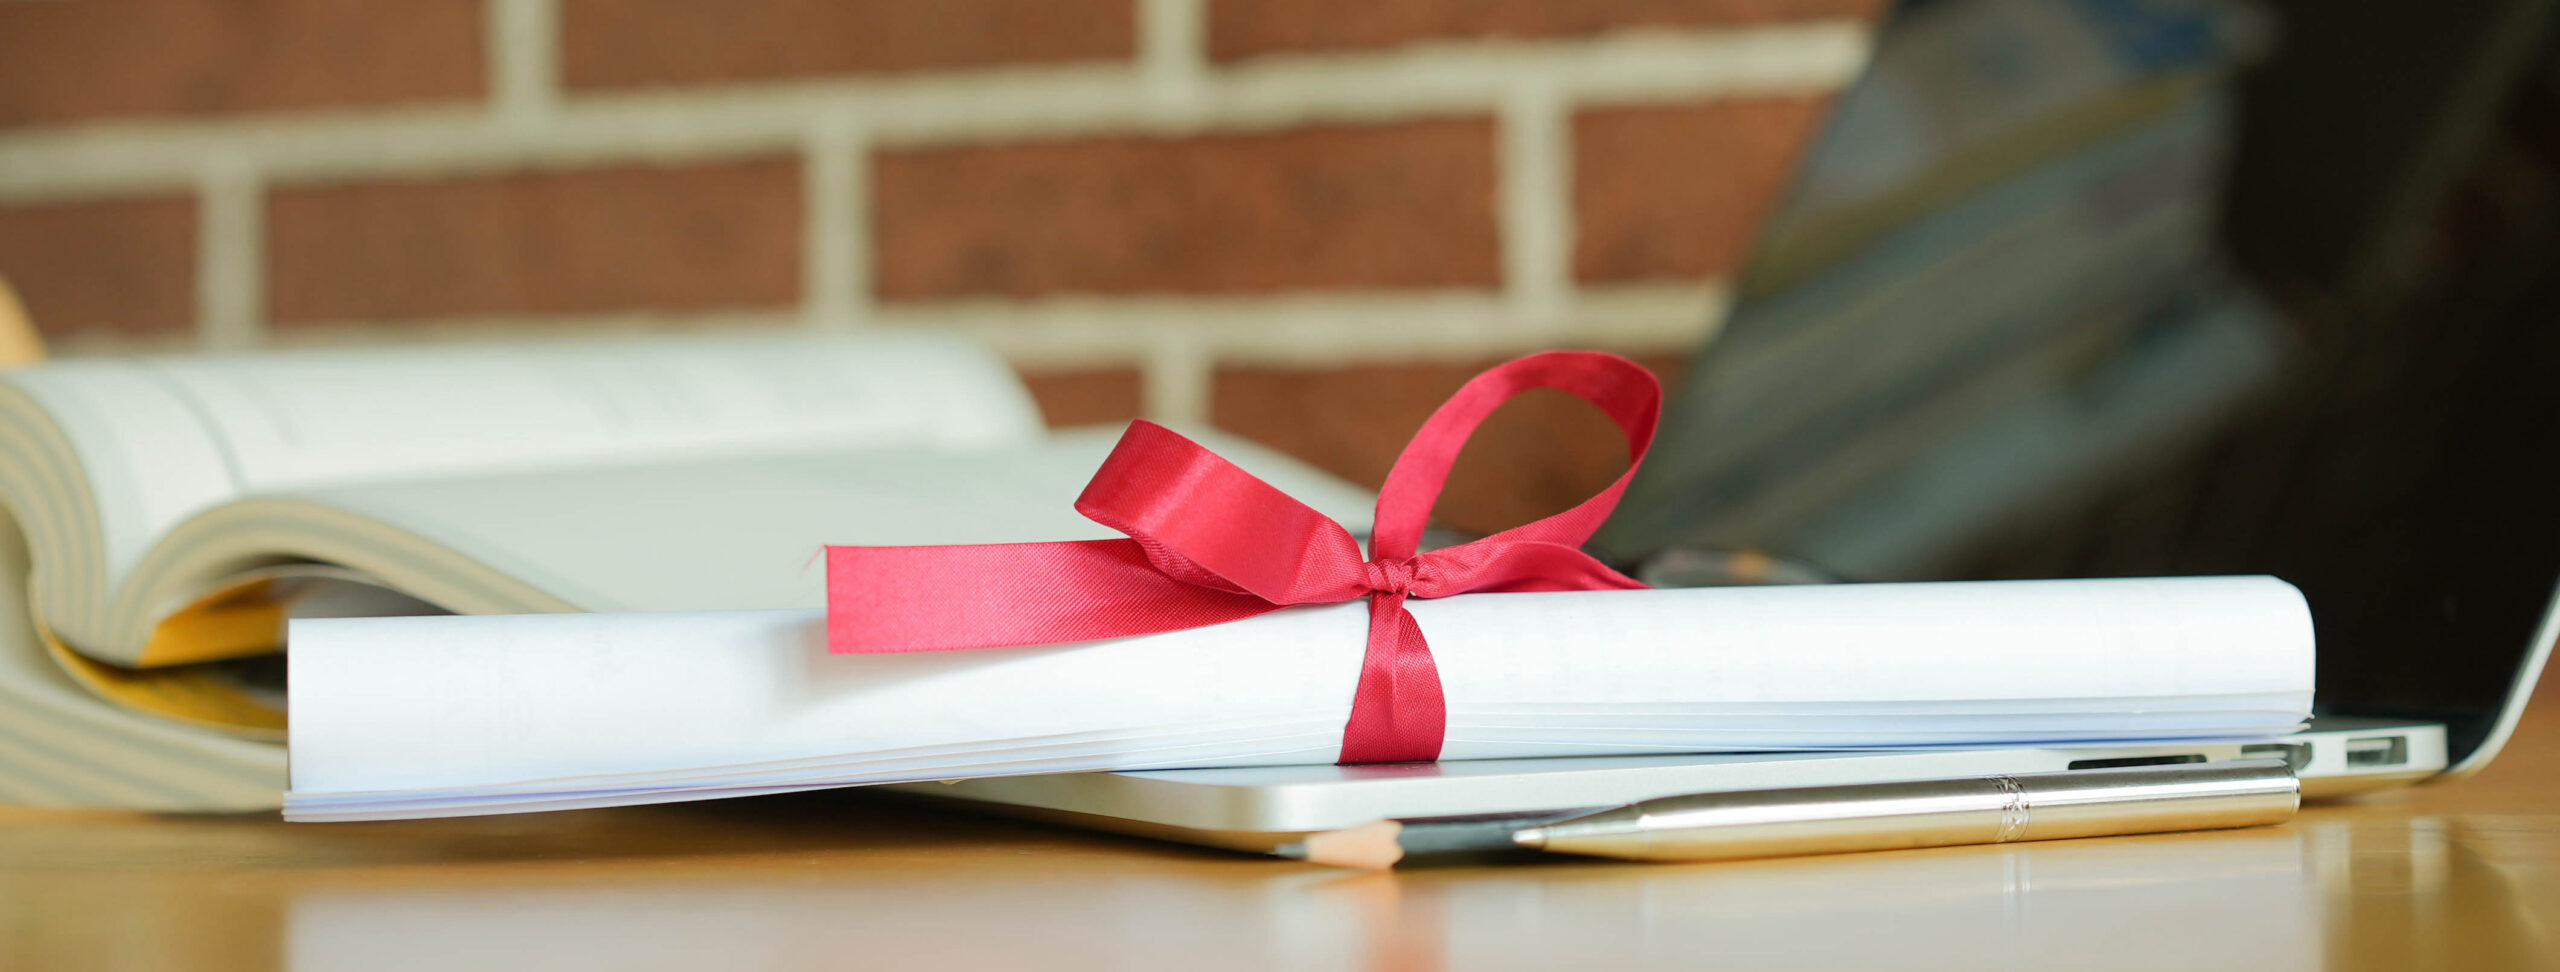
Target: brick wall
[[1304, 220]]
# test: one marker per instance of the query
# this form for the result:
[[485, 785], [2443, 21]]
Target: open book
[[165, 518]]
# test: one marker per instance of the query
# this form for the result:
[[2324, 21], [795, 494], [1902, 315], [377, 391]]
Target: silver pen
[[1856, 817], [1931, 813]]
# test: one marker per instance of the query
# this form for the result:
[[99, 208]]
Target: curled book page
[[418, 717]]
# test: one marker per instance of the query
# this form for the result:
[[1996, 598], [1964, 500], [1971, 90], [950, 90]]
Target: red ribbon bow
[[1209, 543]]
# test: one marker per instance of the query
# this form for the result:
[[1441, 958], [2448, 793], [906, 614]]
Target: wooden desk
[[2465, 875]]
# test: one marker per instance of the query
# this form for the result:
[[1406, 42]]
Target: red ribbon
[[1209, 543]]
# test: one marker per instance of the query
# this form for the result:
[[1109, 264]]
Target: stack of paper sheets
[[416, 717]]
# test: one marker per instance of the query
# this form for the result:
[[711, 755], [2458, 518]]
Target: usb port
[[2378, 751], [2295, 755]]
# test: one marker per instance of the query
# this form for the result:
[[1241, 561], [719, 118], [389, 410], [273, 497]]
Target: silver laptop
[[1257, 808]]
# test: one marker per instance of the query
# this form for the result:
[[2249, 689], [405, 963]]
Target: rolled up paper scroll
[[414, 717]]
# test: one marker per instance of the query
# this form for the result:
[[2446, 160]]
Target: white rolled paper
[[414, 717]]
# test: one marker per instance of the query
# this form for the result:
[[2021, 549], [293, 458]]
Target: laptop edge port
[[2123, 761], [2295, 755], [2378, 751]]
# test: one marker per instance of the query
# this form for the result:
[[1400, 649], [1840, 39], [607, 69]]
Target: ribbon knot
[[1391, 577], [1210, 543]]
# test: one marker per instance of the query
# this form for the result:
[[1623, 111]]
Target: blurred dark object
[[1994, 287], [1710, 567], [1993, 333], [2399, 189], [2361, 127]]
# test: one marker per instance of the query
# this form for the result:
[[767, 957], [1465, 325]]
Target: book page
[[300, 419], [163, 438], [745, 532]]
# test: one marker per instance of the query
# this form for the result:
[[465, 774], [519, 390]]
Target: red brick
[[1538, 455], [637, 238], [1244, 28], [638, 43], [1679, 192], [1088, 397], [1341, 207], [68, 60], [126, 266]]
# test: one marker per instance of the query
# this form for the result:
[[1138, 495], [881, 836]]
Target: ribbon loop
[[1210, 543], [1206, 521], [1622, 389]]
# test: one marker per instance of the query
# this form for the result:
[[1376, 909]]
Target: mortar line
[[523, 43], [1173, 42], [1088, 332], [230, 255], [1537, 207], [835, 270], [1175, 379]]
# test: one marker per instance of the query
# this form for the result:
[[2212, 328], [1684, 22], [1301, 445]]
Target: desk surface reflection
[[2461, 875]]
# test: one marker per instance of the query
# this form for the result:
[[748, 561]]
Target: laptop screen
[[1993, 333]]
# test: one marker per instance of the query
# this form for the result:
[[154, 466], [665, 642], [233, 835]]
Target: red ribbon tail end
[[1397, 714]]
